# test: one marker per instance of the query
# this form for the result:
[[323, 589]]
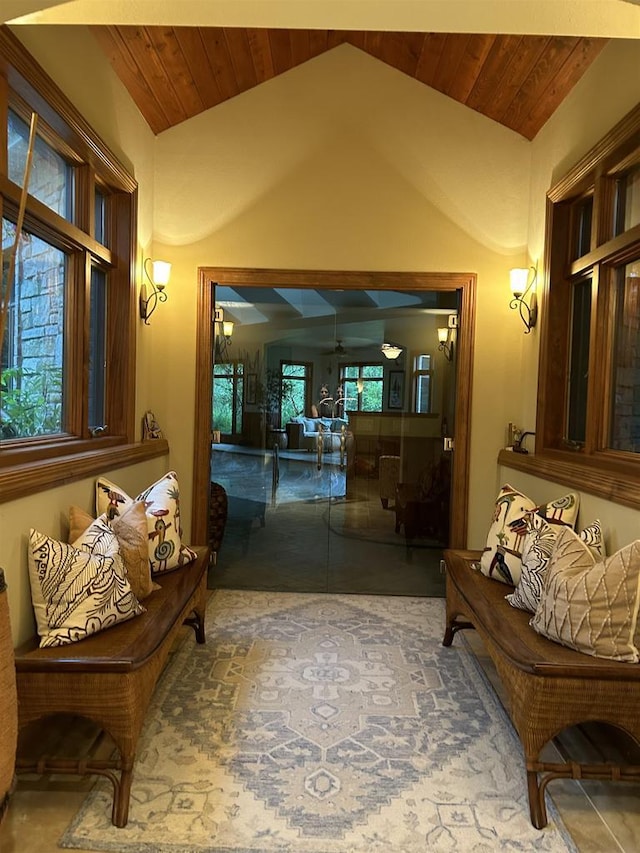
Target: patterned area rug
[[315, 723]]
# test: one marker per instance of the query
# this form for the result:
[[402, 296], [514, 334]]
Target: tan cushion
[[591, 606], [131, 532]]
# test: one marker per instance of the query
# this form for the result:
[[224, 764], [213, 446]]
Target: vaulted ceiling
[[174, 73]]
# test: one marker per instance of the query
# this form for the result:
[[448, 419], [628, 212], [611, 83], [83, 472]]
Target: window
[[589, 391], [422, 384], [362, 387], [228, 394], [31, 402], [295, 390], [67, 362]]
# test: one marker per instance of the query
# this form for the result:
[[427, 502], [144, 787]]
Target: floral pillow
[[78, 590], [162, 509], [536, 552], [502, 555]]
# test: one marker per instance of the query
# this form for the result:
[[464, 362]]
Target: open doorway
[[332, 451]]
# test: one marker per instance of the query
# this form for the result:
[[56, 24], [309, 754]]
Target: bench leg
[[452, 628], [537, 807], [197, 623], [121, 797]]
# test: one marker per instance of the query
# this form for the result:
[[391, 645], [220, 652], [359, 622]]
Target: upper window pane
[[50, 180], [582, 216], [31, 401], [100, 204], [627, 202], [625, 400]]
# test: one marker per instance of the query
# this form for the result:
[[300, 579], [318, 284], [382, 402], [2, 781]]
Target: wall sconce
[[360, 385], [520, 286], [445, 345], [158, 273], [223, 338], [391, 351]]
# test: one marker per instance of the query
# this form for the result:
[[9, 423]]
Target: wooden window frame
[[592, 467], [31, 465]]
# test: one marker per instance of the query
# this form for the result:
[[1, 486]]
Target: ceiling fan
[[339, 349]]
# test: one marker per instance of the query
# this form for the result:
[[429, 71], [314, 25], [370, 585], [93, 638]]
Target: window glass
[[422, 383], [31, 401], [51, 177], [582, 215], [579, 362], [228, 392], [294, 385], [625, 399], [362, 387], [97, 348], [627, 201], [100, 206]]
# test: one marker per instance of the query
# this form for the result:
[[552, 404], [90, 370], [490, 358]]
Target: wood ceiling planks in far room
[[174, 73]]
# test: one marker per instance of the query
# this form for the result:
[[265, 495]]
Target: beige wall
[[606, 93], [341, 163], [67, 55], [345, 163]]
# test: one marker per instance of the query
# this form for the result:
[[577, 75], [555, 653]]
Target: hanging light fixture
[[391, 351]]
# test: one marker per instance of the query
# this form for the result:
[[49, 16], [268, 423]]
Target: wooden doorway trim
[[331, 279]]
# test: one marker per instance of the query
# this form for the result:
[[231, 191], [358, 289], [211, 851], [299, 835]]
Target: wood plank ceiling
[[174, 73]]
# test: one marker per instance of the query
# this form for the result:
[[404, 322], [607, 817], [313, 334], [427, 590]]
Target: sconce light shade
[[224, 333], [444, 344], [161, 273], [360, 385], [391, 351], [520, 287], [518, 279], [158, 273]]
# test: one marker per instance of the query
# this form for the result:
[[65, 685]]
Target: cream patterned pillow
[[78, 591], [131, 532], [591, 606], [536, 553], [162, 509], [502, 554]]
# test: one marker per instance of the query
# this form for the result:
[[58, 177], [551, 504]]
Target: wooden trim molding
[[614, 485], [465, 283], [18, 481]]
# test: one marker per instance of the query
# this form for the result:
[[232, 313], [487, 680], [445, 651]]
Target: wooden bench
[[548, 687], [110, 677]]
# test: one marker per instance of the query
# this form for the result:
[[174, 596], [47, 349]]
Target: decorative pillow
[[536, 552], [78, 591], [591, 606], [131, 532], [503, 551], [162, 509]]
